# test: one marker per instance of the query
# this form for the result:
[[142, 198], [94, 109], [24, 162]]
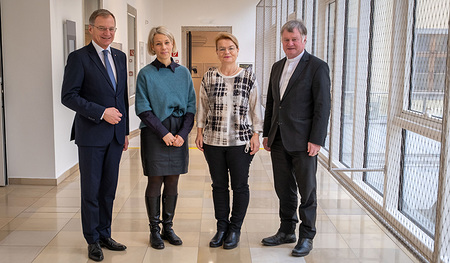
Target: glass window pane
[[348, 87], [377, 100], [429, 49], [419, 180]]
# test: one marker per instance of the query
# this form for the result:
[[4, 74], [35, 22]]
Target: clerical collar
[[297, 58], [159, 65]]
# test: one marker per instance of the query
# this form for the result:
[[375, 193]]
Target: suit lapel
[[297, 72], [277, 77], [94, 56]]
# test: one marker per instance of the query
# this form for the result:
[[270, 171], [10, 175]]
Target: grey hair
[[292, 24], [100, 12]]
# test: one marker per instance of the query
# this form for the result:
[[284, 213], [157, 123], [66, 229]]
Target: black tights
[[154, 185]]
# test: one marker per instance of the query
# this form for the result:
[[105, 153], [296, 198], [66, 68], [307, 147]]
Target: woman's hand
[[199, 139], [254, 144], [169, 139], [179, 141]]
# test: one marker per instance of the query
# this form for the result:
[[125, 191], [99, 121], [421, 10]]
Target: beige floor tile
[[274, 255], [368, 241], [28, 238], [13, 224], [129, 225], [51, 215], [335, 255], [74, 224], [4, 234], [332, 240], [43, 224], [4, 221], [10, 211], [393, 255], [132, 254], [46, 221], [19, 254], [68, 239], [219, 255], [62, 254], [172, 254], [357, 227]]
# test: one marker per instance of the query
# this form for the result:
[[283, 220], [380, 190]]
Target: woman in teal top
[[165, 103]]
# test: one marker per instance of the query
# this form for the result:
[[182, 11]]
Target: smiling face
[[100, 31], [162, 46], [293, 43], [227, 51]]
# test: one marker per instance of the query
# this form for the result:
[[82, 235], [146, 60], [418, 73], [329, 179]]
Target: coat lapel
[[297, 72], [277, 77]]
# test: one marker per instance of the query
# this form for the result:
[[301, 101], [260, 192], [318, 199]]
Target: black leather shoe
[[232, 240], [95, 252], [303, 247], [278, 239], [111, 244], [218, 238]]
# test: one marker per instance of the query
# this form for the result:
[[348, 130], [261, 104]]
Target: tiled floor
[[42, 223]]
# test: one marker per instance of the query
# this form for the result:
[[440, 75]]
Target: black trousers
[[292, 171], [236, 161], [99, 172]]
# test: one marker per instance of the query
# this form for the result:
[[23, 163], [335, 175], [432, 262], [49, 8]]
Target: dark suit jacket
[[302, 114], [88, 91]]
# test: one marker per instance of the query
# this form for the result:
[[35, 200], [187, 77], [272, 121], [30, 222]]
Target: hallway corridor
[[42, 223]]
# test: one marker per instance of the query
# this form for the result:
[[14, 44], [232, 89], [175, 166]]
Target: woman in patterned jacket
[[229, 120]]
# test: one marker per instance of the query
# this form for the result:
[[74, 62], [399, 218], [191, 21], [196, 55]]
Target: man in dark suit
[[295, 127], [95, 87]]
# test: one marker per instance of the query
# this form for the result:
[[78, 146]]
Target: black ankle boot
[[218, 238], [232, 240], [169, 204], [153, 205]]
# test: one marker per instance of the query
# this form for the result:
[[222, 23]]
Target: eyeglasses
[[224, 49], [104, 29]]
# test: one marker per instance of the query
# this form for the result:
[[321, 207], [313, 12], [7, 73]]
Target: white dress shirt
[[102, 57]]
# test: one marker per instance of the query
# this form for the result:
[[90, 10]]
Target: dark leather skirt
[[158, 159]]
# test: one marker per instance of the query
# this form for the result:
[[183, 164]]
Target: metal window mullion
[[443, 188], [369, 87]]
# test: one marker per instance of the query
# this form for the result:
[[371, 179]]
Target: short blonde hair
[[226, 35], [163, 31]]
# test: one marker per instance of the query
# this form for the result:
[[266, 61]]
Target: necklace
[[234, 72]]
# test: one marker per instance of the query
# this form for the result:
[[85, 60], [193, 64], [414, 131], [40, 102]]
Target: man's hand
[[265, 141], [125, 145], [112, 115], [313, 149]]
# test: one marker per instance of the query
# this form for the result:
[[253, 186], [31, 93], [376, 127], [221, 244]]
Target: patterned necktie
[[109, 69]]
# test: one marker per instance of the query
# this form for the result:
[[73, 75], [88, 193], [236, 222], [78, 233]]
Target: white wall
[[37, 124], [65, 150], [28, 88]]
